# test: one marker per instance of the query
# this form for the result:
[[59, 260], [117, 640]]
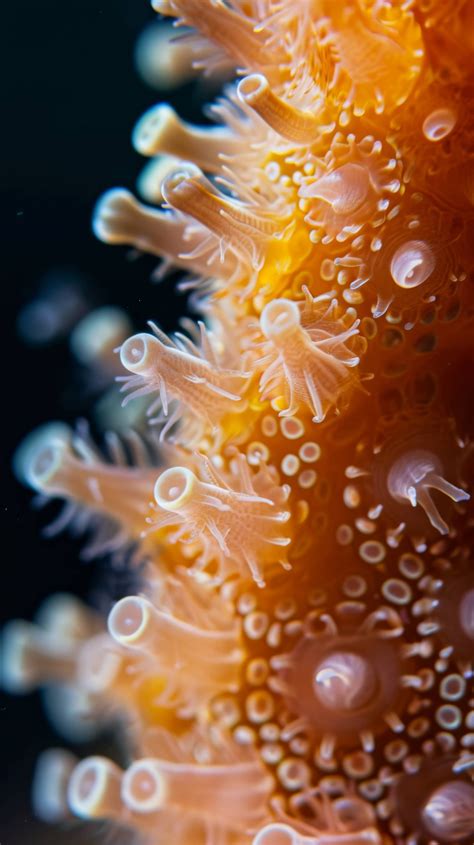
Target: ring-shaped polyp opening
[[278, 317], [174, 487], [251, 88], [177, 178], [133, 352], [127, 619], [147, 132], [45, 463], [143, 787], [40, 453], [87, 787]]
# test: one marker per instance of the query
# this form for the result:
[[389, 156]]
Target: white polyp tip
[[87, 787], [279, 317], [44, 465], [276, 834], [155, 58], [143, 787], [150, 130], [40, 454], [250, 88], [174, 487], [128, 619], [178, 178], [112, 214], [134, 352], [52, 773], [161, 60], [16, 639], [99, 333]]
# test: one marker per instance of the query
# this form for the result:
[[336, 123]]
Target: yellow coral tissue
[[296, 666]]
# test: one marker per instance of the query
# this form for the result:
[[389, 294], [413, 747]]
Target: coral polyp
[[312, 335], [295, 663], [341, 686]]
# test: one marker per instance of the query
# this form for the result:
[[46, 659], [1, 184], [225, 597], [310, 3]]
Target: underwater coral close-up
[[284, 483]]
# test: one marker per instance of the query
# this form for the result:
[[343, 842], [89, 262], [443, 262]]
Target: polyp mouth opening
[[279, 316], [45, 463], [147, 132], [179, 179], [173, 487], [143, 787], [252, 86], [127, 618], [133, 352], [86, 787], [87, 783]]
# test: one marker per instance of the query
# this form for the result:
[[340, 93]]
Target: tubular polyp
[[187, 190], [233, 795], [160, 367], [161, 131], [56, 471], [411, 479], [94, 789], [311, 364], [240, 525], [33, 657], [301, 127], [49, 794], [437, 804], [233, 32], [120, 219], [343, 684], [136, 624]]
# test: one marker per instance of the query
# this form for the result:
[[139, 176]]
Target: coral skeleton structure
[[296, 664]]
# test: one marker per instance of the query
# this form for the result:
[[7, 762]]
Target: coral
[[295, 665]]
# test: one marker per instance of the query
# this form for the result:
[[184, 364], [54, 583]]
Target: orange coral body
[[298, 666]]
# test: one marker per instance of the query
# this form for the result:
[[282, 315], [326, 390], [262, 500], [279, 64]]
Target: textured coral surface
[[296, 664]]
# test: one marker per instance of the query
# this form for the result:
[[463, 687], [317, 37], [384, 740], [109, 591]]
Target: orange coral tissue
[[296, 666]]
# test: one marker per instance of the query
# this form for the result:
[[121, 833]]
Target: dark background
[[71, 98]]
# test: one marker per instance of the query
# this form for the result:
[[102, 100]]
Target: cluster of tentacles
[[296, 666]]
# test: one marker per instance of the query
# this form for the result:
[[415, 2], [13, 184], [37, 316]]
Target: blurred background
[[71, 97]]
